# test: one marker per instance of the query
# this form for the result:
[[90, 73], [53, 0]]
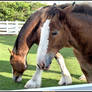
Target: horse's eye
[[54, 33]]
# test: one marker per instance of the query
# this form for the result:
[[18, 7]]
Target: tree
[[20, 11]]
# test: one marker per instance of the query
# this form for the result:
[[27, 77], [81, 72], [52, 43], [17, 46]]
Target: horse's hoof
[[66, 80], [82, 77], [61, 83], [33, 84]]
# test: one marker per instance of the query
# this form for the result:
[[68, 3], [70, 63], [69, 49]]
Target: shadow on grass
[[6, 67], [7, 40], [6, 83], [75, 76], [51, 83]]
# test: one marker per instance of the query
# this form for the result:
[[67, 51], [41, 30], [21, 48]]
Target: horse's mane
[[79, 8], [83, 9], [23, 30]]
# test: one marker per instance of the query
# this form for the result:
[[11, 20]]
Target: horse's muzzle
[[17, 78], [46, 63]]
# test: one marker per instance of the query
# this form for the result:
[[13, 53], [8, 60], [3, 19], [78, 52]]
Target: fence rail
[[10, 27], [78, 87]]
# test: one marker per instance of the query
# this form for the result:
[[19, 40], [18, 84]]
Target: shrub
[[20, 11]]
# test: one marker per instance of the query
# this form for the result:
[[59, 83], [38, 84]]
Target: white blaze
[[43, 45]]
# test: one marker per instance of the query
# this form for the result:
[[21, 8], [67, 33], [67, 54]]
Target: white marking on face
[[14, 77], [18, 79], [43, 45]]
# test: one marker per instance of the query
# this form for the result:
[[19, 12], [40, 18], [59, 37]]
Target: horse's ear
[[11, 52], [69, 8], [61, 14]]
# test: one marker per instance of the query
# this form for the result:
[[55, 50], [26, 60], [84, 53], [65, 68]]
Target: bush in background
[[20, 11]]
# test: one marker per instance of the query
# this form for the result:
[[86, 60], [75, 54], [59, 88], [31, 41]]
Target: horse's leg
[[82, 64], [35, 82], [66, 77], [82, 77]]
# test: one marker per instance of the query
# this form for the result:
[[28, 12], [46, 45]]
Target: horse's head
[[54, 35], [18, 64]]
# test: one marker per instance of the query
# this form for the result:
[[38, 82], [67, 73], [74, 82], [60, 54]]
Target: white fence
[[10, 27]]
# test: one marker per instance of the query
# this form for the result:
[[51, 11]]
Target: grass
[[49, 78]]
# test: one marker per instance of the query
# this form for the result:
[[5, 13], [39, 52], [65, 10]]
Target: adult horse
[[30, 34], [68, 27]]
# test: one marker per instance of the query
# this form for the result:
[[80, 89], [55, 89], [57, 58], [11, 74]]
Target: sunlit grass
[[49, 78]]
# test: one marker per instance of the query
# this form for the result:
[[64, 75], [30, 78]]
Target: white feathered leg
[[35, 82], [82, 77], [66, 77]]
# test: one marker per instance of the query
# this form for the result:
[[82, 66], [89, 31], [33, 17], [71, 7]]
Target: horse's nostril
[[16, 78], [38, 66], [43, 67]]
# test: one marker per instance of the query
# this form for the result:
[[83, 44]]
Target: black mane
[[83, 9], [23, 30], [52, 11], [79, 8]]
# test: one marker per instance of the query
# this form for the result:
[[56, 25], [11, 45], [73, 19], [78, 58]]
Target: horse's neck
[[78, 30], [27, 37], [21, 49], [22, 46]]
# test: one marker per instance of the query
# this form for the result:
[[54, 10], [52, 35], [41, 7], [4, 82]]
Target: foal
[[30, 34]]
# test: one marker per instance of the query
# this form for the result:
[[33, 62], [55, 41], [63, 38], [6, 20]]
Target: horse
[[69, 27], [29, 35]]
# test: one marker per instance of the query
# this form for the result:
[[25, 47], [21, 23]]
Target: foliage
[[17, 10]]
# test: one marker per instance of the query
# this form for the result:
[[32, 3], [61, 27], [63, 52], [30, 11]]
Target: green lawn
[[49, 78]]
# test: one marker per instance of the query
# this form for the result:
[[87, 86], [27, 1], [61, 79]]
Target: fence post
[[16, 29], [7, 26], [10, 27]]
